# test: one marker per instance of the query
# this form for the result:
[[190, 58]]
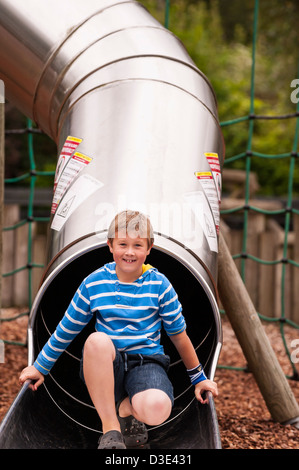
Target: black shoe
[[134, 432], [112, 440]]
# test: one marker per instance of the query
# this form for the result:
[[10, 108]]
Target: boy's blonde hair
[[133, 223]]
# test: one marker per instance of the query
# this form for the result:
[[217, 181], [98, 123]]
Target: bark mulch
[[244, 419]]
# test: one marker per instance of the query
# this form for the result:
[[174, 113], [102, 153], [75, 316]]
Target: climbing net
[[288, 213]]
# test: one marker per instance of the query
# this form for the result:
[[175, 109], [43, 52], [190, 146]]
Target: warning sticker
[[68, 148], [202, 211], [211, 184], [82, 188], [65, 209], [71, 168], [208, 185], [213, 160]]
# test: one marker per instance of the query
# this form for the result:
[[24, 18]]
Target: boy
[[123, 361]]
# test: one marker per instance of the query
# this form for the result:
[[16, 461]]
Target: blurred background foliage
[[218, 36]]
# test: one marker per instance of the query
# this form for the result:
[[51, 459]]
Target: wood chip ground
[[244, 420]]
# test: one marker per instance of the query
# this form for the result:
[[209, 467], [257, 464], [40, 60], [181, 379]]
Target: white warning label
[[213, 160], [2, 94], [74, 165], [211, 184], [208, 185], [81, 189], [202, 211], [66, 169]]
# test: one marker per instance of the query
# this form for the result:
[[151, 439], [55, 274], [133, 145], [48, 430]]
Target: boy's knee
[[99, 343], [153, 406]]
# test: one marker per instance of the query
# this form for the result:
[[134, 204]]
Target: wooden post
[[256, 226], [254, 342]]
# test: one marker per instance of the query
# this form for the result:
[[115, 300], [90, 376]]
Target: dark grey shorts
[[134, 373]]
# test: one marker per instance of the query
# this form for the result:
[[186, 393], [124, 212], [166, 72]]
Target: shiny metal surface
[[135, 124], [153, 113], [149, 154], [48, 48]]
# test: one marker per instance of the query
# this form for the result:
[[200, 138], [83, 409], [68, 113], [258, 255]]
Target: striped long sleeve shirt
[[131, 314]]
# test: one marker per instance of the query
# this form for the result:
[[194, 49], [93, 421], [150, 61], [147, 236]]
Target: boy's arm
[[74, 320], [189, 357], [185, 349]]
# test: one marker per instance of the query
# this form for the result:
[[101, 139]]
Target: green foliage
[[218, 36]]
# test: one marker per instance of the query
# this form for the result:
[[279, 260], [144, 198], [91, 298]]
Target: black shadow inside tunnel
[[63, 384]]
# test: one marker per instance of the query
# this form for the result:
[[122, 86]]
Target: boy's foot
[[133, 431], [112, 440]]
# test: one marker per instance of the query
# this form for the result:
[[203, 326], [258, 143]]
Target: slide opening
[[64, 385]]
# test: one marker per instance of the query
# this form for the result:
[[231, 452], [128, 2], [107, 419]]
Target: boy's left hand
[[205, 386]]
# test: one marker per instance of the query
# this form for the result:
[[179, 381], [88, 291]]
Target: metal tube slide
[[136, 127]]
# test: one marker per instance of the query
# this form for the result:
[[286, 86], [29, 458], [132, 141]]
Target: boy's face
[[129, 254]]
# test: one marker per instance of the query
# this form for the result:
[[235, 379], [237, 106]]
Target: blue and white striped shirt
[[131, 314]]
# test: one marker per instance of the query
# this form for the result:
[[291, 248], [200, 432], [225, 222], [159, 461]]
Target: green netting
[[245, 155], [32, 175]]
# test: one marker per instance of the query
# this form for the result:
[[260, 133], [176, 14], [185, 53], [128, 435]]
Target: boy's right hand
[[31, 373]]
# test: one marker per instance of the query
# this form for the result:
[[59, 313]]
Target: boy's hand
[[31, 373], [205, 386]]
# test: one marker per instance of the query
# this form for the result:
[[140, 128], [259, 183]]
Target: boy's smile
[[129, 254]]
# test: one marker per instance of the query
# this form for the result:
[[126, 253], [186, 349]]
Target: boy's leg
[[150, 391], [98, 357], [152, 407]]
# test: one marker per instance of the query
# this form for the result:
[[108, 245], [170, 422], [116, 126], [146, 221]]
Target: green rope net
[[244, 210], [247, 155]]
